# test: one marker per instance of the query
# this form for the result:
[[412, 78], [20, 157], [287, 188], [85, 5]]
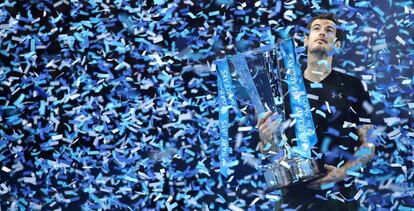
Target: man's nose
[[322, 34]]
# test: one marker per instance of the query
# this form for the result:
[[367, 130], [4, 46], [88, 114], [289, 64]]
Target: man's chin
[[319, 50]]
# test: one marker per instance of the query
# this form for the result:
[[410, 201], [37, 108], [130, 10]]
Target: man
[[338, 103]]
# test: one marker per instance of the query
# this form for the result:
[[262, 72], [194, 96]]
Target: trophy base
[[303, 182], [292, 171]]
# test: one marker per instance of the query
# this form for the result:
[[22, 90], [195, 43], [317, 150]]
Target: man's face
[[322, 37]]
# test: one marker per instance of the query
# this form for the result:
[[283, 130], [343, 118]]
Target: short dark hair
[[340, 35]]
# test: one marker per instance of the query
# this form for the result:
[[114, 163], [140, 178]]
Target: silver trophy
[[260, 79]]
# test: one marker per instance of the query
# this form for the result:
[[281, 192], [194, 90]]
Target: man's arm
[[362, 156], [365, 152]]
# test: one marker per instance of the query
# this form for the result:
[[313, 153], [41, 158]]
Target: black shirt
[[339, 104]]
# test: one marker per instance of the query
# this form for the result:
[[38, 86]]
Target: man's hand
[[334, 175], [362, 156], [267, 126]]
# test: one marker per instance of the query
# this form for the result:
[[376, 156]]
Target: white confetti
[[400, 40]]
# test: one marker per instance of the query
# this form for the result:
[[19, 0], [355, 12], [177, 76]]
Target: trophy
[[266, 78]]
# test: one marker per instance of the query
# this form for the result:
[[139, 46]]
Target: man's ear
[[338, 44], [306, 41]]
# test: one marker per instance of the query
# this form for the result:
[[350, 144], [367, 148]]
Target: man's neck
[[318, 68]]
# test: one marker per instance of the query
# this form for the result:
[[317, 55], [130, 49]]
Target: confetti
[[113, 105]]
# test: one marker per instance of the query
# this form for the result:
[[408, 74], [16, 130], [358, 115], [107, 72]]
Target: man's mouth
[[321, 40]]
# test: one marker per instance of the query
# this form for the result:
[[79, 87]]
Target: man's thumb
[[329, 167]]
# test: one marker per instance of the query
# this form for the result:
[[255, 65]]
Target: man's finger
[[276, 123], [264, 118], [316, 182], [329, 167], [314, 186], [262, 127], [269, 125], [322, 180], [268, 122], [267, 132]]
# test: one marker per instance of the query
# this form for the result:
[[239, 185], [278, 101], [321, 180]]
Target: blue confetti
[[112, 105]]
